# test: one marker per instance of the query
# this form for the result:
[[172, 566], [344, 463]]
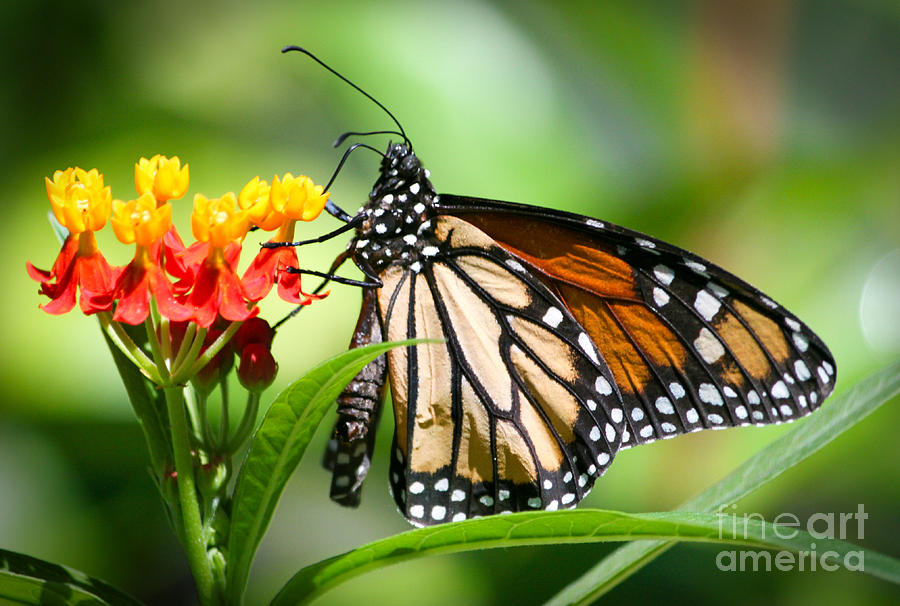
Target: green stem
[[225, 422], [184, 371], [214, 348], [192, 539], [248, 421], [153, 341], [117, 335], [187, 343]]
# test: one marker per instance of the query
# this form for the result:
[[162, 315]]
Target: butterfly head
[[398, 215]]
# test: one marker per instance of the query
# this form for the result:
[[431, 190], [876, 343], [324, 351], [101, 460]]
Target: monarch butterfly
[[565, 340]]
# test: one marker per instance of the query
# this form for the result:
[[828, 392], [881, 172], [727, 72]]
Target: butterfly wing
[[516, 410], [690, 346]]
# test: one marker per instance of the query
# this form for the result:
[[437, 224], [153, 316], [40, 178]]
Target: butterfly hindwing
[[690, 345], [516, 410]]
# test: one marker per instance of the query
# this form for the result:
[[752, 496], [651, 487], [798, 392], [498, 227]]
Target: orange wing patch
[[562, 254]]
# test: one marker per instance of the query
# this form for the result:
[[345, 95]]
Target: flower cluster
[[197, 283], [199, 320]]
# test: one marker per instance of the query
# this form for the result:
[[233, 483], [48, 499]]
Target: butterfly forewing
[[515, 410], [690, 345]]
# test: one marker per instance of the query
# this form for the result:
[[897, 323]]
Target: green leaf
[[27, 580], [817, 430], [583, 526], [277, 448]]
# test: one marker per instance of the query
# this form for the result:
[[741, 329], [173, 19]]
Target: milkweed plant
[[179, 320]]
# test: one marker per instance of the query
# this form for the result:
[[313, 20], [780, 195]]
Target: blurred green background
[[762, 135]]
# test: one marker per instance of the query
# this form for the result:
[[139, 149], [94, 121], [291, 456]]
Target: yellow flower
[[79, 200], [141, 220], [255, 199], [163, 177], [297, 198], [218, 220]]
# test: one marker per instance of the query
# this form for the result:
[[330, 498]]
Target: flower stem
[[214, 348], [155, 349], [246, 425], [192, 539], [121, 339]]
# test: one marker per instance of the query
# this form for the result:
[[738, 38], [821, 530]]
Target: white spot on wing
[[602, 386], [610, 433], [664, 405], [780, 391], [416, 487], [585, 342], [660, 296], [414, 188], [708, 346], [553, 317], [514, 265], [664, 274], [706, 305], [717, 290], [709, 394]]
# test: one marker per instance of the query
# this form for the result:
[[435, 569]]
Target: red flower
[[79, 265], [81, 203], [137, 283], [270, 266], [218, 292], [219, 227]]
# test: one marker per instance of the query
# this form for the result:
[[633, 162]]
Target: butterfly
[[562, 340]]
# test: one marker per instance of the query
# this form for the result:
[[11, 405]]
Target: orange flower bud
[[218, 220], [297, 198], [141, 220], [163, 177], [79, 200]]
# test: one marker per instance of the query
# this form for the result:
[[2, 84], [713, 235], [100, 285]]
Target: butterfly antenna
[[346, 155], [342, 138], [367, 95]]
